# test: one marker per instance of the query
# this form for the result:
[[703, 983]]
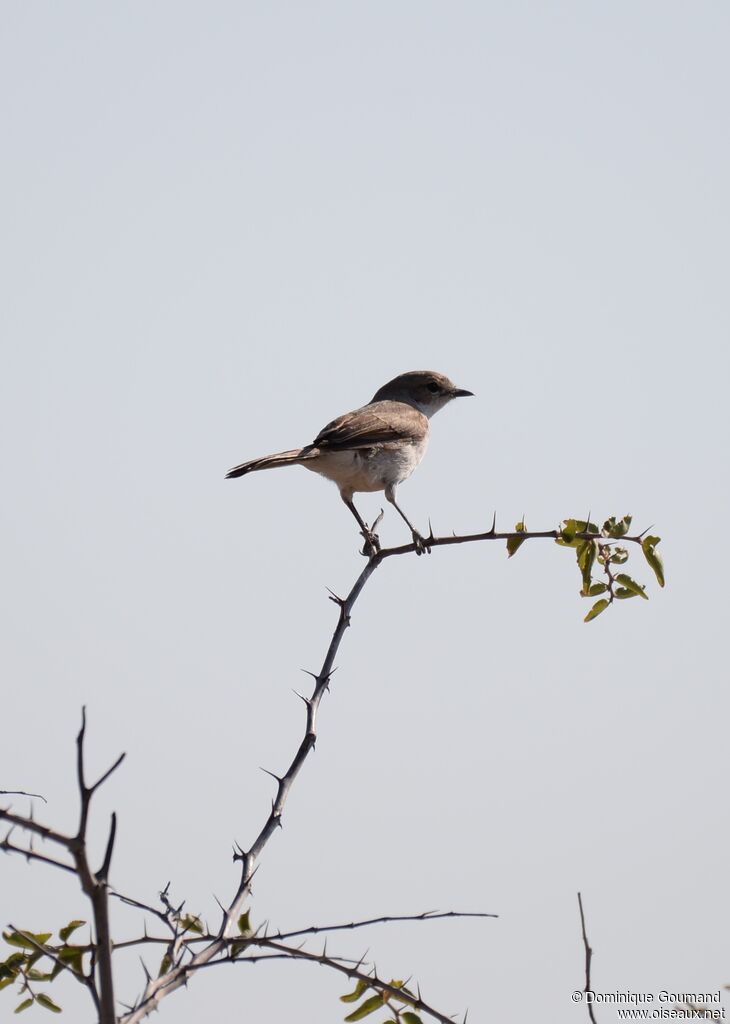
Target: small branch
[[589, 957], [7, 847], [342, 965], [33, 826], [94, 886], [160, 914], [428, 915], [491, 534], [356, 974], [21, 792], [103, 872]]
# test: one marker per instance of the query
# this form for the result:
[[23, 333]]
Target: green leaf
[[567, 533], [408, 1017], [14, 961], [64, 933], [352, 997], [165, 965], [618, 556], [43, 1000], [369, 1006], [34, 975], [612, 528], [71, 956], [192, 923], [244, 923], [24, 1005], [595, 589], [632, 585], [7, 980], [586, 556], [648, 545], [622, 527], [598, 607], [514, 543], [16, 939], [585, 526]]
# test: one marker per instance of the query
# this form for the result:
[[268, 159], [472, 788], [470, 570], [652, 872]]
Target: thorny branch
[[93, 884], [182, 961]]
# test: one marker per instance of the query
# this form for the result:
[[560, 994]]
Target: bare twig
[[428, 915], [7, 847], [589, 956]]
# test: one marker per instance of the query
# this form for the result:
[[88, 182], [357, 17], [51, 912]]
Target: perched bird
[[373, 448]]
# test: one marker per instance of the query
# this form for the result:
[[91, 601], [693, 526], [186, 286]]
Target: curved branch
[[156, 989]]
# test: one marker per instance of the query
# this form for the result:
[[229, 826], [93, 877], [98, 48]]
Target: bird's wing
[[376, 423]]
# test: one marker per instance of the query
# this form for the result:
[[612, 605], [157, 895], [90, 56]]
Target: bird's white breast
[[369, 469]]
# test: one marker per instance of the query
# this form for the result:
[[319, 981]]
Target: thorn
[[340, 601], [377, 521], [308, 673], [147, 974], [272, 774], [301, 696]]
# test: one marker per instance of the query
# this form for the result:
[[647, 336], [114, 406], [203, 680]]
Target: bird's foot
[[372, 541], [421, 543]]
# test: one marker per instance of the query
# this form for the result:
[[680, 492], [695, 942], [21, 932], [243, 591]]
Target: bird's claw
[[421, 543], [372, 543]]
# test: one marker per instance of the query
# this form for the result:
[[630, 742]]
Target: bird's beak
[[462, 393]]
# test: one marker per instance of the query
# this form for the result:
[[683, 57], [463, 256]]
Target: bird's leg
[[372, 541], [418, 540]]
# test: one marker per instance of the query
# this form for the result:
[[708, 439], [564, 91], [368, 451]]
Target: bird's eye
[[433, 388]]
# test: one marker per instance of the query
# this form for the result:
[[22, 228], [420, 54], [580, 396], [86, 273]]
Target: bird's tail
[[292, 458]]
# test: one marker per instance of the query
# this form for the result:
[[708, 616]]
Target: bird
[[373, 448]]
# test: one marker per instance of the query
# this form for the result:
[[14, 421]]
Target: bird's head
[[425, 390]]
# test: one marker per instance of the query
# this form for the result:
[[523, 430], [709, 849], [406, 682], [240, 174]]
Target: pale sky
[[223, 225]]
